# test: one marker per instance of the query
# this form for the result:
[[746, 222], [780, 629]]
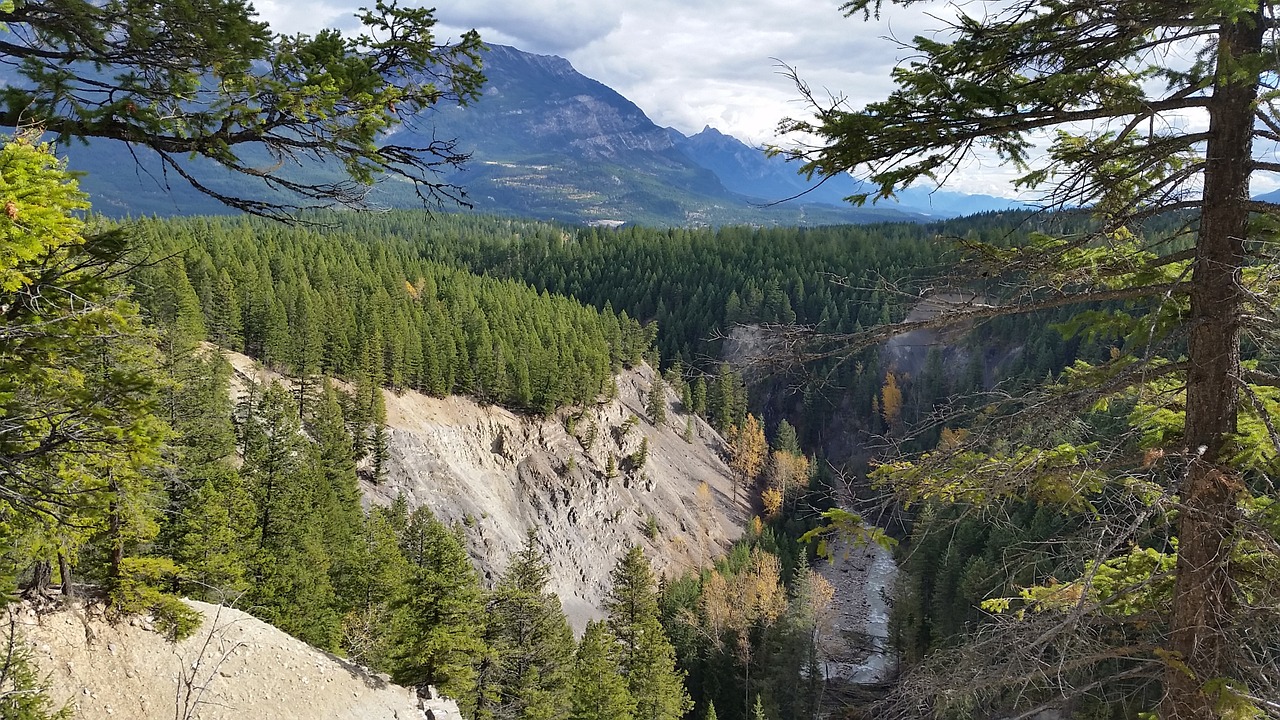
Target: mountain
[[1273, 197], [547, 142], [749, 171]]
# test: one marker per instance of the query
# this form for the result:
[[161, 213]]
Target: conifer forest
[[1057, 421]]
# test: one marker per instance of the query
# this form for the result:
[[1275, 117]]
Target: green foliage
[[77, 379], [785, 439], [290, 566], [651, 528], [438, 612], [24, 694], [528, 671], [599, 690], [393, 316], [135, 591], [206, 79], [656, 403], [638, 458], [1100, 80], [646, 657]]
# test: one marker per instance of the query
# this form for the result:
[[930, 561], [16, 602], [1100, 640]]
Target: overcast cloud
[[691, 63]]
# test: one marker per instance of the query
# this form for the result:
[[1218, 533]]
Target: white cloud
[[690, 63]]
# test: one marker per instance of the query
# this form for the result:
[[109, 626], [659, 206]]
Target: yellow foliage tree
[[786, 475], [891, 400], [747, 453], [771, 498], [751, 600]]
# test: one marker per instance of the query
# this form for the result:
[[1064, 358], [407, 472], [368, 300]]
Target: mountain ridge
[[549, 143]]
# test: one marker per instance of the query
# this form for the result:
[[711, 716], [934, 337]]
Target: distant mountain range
[[550, 143]]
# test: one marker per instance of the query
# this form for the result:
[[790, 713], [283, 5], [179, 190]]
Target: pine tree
[[207, 546], [646, 657], [290, 568], [599, 690], [1076, 75], [201, 87], [81, 439], [337, 495], [656, 405], [438, 614], [785, 438], [370, 633], [531, 647], [699, 397]]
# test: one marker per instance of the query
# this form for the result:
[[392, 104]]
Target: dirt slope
[[499, 474], [235, 667]]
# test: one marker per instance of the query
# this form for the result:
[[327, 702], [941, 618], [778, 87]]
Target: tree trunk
[[64, 572], [41, 579], [1203, 596]]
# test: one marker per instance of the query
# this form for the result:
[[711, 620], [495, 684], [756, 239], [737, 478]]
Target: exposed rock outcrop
[[498, 474]]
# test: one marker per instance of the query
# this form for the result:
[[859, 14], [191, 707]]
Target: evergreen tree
[[207, 546], [438, 614], [646, 657], [599, 691], [1079, 72], [785, 439], [196, 78], [370, 633], [25, 694], [656, 405], [290, 569], [80, 438], [631, 601], [699, 406], [337, 496], [528, 671]]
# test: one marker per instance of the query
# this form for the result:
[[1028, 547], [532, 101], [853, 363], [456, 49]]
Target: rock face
[[498, 475], [235, 667]]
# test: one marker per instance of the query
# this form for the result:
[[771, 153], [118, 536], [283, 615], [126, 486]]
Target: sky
[[691, 63], [695, 63]]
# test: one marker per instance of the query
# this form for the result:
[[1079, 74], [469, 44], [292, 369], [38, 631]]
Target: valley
[[584, 418]]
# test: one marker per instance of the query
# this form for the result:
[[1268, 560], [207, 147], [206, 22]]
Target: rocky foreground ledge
[[234, 667]]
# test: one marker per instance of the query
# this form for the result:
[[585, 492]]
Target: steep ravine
[[499, 474]]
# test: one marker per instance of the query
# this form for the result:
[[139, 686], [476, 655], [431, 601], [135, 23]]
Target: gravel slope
[[235, 667]]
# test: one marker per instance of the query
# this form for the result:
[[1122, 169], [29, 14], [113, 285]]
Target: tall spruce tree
[[80, 436], [290, 566], [527, 672], [646, 656], [438, 613], [1101, 87], [599, 692], [656, 402]]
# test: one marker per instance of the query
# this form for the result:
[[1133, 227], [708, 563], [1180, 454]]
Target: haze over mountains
[[549, 143]]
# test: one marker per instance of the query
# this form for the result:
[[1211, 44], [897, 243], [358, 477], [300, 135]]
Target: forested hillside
[[361, 304], [259, 499], [391, 299]]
